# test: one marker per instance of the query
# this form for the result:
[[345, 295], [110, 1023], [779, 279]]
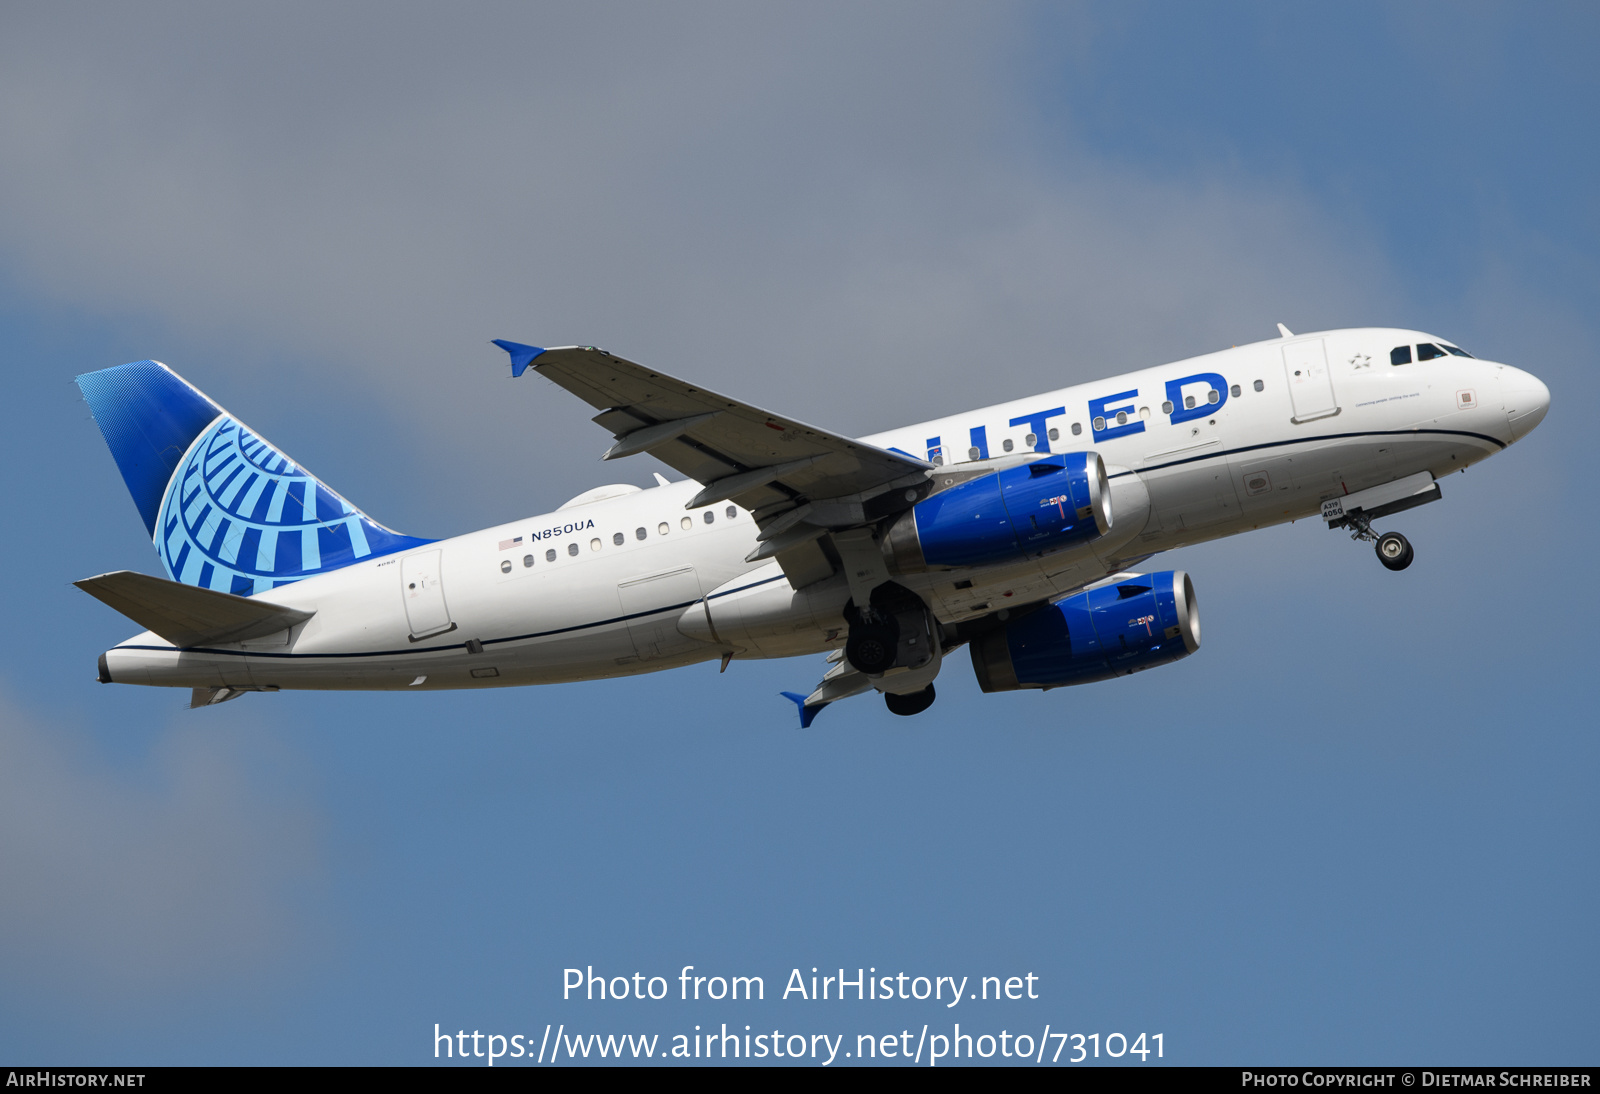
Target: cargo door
[[651, 606], [1305, 366], [423, 589]]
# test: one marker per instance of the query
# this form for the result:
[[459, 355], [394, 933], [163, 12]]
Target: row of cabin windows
[[1426, 351], [1121, 419], [618, 538]]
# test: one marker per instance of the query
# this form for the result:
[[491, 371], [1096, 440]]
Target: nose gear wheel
[[1394, 551]]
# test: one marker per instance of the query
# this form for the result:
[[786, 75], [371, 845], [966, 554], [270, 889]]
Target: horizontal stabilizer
[[187, 615]]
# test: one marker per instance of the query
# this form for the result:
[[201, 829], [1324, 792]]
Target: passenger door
[[421, 585], [1305, 366]]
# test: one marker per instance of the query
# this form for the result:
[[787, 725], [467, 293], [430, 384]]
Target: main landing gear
[[1394, 550], [895, 641], [907, 705], [872, 645]]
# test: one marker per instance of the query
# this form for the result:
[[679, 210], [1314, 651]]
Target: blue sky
[[1358, 826]]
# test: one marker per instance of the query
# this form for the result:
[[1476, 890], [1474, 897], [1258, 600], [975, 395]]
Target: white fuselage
[[636, 583]]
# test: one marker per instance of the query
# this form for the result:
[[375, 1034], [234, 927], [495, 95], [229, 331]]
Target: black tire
[[1394, 551], [907, 705], [871, 649]]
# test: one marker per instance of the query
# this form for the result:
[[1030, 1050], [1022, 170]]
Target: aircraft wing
[[800, 481]]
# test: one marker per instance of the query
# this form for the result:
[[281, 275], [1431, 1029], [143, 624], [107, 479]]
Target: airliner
[[1018, 530]]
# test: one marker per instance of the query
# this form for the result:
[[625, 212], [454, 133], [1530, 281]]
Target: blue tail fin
[[225, 509]]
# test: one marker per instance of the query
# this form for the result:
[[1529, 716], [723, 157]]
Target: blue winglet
[[806, 713], [521, 356]]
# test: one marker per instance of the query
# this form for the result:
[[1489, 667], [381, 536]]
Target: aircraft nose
[[1526, 399]]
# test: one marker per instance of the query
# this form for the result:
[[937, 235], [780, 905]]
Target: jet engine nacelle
[[1136, 623], [1055, 502]]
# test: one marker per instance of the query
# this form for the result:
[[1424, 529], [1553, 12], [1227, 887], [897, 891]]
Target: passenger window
[[1166, 407], [1099, 425], [710, 516], [1214, 396], [1400, 355], [505, 566], [617, 538], [1055, 434], [1122, 417], [1076, 429], [1188, 402], [1144, 412], [527, 560], [1234, 391], [1031, 439], [1008, 446], [594, 544], [686, 523], [972, 453], [550, 555], [1259, 386], [664, 529], [640, 533], [732, 511], [572, 549], [1428, 351]]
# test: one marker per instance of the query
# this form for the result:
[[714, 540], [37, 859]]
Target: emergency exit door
[[421, 585], [1305, 366]]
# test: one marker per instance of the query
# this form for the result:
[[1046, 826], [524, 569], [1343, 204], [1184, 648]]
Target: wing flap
[[187, 615]]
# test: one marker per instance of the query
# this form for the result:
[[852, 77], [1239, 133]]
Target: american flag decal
[[507, 544]]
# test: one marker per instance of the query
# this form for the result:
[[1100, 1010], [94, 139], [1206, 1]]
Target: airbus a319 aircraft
[[1016, 529]]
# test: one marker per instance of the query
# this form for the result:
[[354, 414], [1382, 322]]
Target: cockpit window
[[1400, 355], [1457, 350], [1427, 351]]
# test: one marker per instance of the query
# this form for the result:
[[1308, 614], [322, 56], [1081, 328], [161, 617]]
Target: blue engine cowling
[[1055, 502], [1137, 623]]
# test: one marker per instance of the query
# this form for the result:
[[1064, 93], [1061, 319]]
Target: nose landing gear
[[1357, 512], [1394, 551]]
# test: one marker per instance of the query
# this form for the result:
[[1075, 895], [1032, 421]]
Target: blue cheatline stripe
[[1312, 440], [463, 645]]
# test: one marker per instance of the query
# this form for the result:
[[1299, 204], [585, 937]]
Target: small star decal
[[1361, 360]]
